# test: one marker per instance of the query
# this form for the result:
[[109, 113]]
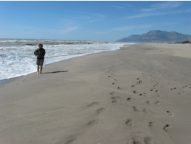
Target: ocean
[[17, 55]]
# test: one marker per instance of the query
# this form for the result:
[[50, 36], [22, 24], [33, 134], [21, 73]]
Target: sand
[[137, 95]]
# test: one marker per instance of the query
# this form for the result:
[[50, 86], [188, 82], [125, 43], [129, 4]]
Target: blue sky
[[91, 20]]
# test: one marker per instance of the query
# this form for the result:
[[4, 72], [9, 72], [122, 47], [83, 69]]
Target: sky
[[91, 20]]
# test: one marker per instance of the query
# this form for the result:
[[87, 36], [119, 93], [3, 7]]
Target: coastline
[[138, 94], [4, 81]]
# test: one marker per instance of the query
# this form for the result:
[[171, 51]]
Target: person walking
[[40, 52]]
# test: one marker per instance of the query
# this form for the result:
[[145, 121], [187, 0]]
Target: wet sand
[[137, 95]]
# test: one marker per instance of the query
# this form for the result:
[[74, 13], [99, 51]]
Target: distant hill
[[184, 42], [157, 36]]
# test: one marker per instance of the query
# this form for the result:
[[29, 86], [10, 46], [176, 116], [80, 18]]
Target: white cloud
[[67, 22], [24, 27], [167, 23], [121, 7], [69, 29], [149, 9], [164, 5], [118, 7], [96, 17], [96, 20], [128, 5], [141, 26], [100, 15], [132, 27], [28, 27], [100, 32], [77, 19], [156, 14], [145, 15], [124, 28], [167, 5]]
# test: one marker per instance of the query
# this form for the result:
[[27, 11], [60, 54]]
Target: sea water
[[17, 55]]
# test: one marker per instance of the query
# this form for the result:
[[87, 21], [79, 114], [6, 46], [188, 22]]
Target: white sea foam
[[17, 56]]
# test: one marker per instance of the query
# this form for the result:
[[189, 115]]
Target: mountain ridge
[[157, 36]]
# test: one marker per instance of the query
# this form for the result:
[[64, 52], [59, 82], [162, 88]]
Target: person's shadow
[[54, 72]]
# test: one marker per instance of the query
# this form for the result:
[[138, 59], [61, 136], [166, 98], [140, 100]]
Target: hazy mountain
[[157, 36]]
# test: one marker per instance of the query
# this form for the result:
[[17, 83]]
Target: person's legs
[[37, 63], [37, 69], [41, 64], [40, 68]]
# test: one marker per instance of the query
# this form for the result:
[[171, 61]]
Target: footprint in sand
[[92, 122], [135, 109], [114, 99], [138, 78], [115, 80], [148, 140], [130, 99], [186, 87], [109, 76], [148, 102], [118, 88], [158, 95], [24, 80], [145, 110], [173, 88], [139, 82], [134, 92], [70, 141], [100, 110], [136, 140], [130, 122], [113, 83], [158, 103], [143, 94], [183, 90], [16, 84], [167, 127], [133, 86], [152, 124], [93, 104], [156, 90], [176, 82], [156, 85], [170, 113], [112, 93]]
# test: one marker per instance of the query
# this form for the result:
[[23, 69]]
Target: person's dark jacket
[[41, 52]]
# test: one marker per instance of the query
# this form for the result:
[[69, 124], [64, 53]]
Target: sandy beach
[[137, 95]]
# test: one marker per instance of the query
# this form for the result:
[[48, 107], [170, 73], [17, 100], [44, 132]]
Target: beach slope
[[137, 95]]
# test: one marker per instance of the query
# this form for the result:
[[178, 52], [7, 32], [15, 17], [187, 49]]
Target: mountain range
[[157, 36]]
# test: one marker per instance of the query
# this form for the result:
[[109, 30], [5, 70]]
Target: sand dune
[[137, 95]]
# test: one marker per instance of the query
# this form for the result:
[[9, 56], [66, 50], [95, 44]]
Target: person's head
[[40, 45]]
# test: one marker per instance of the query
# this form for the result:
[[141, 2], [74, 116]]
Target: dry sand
[[140, 94]]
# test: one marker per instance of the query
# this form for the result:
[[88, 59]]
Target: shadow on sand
[[54, 72]]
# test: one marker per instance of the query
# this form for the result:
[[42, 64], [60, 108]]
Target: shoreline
[[5, 81], [139, 94]]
